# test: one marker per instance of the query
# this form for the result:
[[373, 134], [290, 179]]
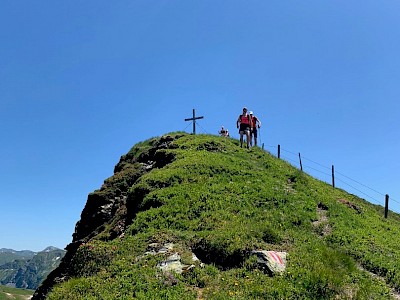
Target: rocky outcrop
[[272, 262], [109, 210]]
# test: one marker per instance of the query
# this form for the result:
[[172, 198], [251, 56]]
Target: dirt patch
[[351, 205], [321, 225], [199, 294]]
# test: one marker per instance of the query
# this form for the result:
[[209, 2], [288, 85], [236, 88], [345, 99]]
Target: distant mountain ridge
[[5, 250], [27, 269], [8, 255]]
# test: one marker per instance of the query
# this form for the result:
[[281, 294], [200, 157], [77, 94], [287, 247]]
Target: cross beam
[[194, 120]]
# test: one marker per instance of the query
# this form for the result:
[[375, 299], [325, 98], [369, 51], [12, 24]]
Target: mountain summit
[[195, 217]]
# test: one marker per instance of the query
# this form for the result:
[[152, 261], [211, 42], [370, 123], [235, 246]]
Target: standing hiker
[[245, 123], [253, 132], [224, 132]]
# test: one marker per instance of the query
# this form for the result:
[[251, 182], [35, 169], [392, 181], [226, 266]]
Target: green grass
[[220, 202], [8, 293]]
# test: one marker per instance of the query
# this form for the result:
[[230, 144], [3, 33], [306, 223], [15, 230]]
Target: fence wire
[[338, 176], [309, 164]]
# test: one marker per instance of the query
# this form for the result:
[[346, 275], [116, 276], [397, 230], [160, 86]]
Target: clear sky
[[81, 82]]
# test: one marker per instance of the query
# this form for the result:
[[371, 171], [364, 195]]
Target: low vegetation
[[208, 196], [8, 293]]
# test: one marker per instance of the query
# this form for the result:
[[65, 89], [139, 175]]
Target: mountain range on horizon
[[25, 251], [27, 269]]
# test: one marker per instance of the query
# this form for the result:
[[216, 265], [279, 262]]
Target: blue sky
[[82, 81]]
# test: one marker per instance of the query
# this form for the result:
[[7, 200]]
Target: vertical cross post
[[194, 120]]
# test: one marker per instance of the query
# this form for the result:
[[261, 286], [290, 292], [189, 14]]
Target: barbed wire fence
[[329, 175]]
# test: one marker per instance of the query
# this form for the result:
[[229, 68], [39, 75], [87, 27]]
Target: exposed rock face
[[111, 205]]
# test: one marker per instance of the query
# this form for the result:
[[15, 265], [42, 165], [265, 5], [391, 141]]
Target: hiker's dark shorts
[[254, 132], [243, 128]]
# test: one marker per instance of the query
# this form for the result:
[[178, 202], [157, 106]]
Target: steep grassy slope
[[209, 197]]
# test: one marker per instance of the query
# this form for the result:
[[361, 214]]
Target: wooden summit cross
[[194, 120]]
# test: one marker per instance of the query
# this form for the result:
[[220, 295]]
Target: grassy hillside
[[7, 293], [212, 198]]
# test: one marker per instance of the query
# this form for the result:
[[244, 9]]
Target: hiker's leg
[[241, 138], [248, 138]]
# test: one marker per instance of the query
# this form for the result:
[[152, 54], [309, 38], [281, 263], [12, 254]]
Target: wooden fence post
[[333, 176], [301, 165], [279, 151], [386, 205]]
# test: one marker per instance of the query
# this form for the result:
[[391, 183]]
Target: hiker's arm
[[237, 122], [259, 122]]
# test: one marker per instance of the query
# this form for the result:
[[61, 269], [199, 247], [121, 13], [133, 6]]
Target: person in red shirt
[[244, 124], [253, 132]]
